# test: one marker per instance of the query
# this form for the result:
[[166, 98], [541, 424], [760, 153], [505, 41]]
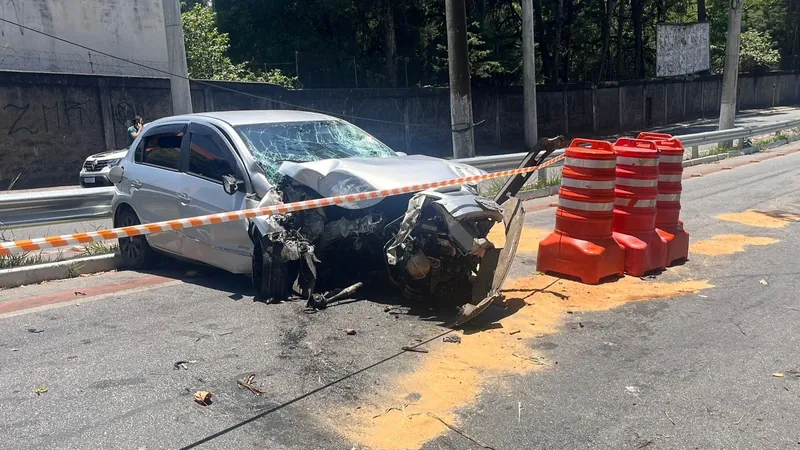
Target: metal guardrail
[[75, 205], [52, 207], [510, 161]]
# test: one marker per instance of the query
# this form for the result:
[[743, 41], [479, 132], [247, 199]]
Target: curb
[[538, 193], [18, 276]]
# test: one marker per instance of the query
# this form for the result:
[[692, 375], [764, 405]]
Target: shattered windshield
[[273, 143]]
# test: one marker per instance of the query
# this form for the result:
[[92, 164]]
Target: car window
[[207, 159], [160, 150]]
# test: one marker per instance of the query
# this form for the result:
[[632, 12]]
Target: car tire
[[136, 253], [270, 274]]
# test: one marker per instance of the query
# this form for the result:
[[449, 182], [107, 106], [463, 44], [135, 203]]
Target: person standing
[[135, 130]]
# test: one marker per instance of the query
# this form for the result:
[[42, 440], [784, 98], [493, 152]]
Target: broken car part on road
[[432, 243]]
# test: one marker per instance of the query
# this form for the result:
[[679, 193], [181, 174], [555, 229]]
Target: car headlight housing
[[114, 162]]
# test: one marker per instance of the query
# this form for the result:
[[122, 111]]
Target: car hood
[[113, 154], [332, 177]]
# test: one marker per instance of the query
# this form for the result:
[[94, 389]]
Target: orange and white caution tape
[[66, 240]]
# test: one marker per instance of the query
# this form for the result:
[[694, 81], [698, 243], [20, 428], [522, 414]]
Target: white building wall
[[129, 29]]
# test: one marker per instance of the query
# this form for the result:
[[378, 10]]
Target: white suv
[[94, 172]]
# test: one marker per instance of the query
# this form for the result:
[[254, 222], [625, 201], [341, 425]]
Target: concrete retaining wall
[[52, 122]]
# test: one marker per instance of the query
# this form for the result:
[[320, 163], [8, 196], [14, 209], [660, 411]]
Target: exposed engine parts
[[433, 251], [433, 244]]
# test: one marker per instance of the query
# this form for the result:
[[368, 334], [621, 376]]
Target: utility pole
[[176, 53], [730, 72], [529, 76], [460, 89]]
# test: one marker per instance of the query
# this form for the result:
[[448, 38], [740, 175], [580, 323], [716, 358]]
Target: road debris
[[777, 374], [177, 365], [456, 430], [414, 349], [79, 293], [203, 397], [532, 359], [513, 332], [225, 333], [321, 301], [519, 412], [350, 331], [35, 330], [670, 418], [452, 339], [248, 384], [39, 390], [763, 282]]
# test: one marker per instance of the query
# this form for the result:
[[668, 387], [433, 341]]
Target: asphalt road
[[562, 370]]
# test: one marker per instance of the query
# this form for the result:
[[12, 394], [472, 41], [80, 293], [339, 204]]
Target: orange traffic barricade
[[635, 206], [582, 245], [668, 223]]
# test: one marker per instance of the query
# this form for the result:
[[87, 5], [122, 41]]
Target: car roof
[[235, 118]]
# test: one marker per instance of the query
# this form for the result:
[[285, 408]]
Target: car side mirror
[[115, 174], [230, 184]]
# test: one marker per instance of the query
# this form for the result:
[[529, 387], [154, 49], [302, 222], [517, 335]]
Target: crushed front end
[[433, 245], [441, 251], [436, 250]]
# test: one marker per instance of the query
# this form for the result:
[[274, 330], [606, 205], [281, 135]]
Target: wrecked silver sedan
[[431, 245]]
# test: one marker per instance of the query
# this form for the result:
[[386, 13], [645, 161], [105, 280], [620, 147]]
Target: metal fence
[[75, 205]]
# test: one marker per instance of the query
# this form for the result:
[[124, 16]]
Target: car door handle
[[136, 184], [184, 198]]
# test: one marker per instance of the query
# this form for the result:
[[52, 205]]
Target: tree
[[383, 43], [207, 48], [757, 52]]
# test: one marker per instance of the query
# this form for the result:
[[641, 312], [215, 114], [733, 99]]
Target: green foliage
[[346, 43], [207, 48], [756, 52]]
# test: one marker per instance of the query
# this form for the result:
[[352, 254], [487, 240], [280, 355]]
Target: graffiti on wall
[[43, 118]]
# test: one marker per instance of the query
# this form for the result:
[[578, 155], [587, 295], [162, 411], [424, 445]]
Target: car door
[[155, 180], [208, 158]]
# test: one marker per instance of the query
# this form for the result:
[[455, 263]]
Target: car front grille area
[[94, 166]]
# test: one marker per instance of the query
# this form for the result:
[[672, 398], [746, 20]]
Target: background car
[[94, 172]]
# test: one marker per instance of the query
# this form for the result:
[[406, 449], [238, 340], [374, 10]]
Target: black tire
[[136, 253], [270, 274]]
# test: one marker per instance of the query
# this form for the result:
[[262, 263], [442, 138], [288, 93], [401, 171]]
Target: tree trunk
[[390, 45], [557, 40], [637, 10], [793, 11], [605, 59], [620, 26], [570, 12], [701, 11], [540, 37]]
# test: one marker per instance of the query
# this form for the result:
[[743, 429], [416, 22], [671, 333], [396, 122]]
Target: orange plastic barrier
[[668, 223], [582, 245], [635, 206]]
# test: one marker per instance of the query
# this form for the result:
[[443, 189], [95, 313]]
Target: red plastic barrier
[[635, 206], [668, 223], [582, 245]]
